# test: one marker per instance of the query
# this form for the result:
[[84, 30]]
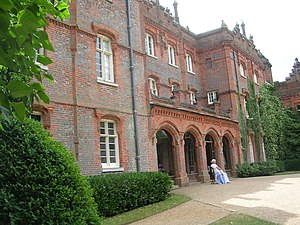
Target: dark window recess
[[208, 63], [36, 117]]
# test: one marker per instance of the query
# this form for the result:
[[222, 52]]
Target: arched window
[[149, 42], [171, 55], [189, 63], [104, 59], [193, 98], [153, 86], [242, 70], [109, 148], [255, 77]]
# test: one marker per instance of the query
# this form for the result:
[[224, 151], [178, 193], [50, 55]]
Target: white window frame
[[245, 106], [212, 97], [192, 98], [242, 70], [149, 45], [171, 55], [189, 63], [104, 63], [153, 86], [255, 78], [107, 138]]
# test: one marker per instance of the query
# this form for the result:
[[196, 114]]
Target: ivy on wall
[[254, 121], [274, 120]]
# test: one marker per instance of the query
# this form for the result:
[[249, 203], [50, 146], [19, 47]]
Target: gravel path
[[272, 198]]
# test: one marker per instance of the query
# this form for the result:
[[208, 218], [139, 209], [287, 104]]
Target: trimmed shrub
[[117, 193], [266, 168], [292, 164], [40, 182]]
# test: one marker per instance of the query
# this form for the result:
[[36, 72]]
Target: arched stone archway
[[165, 156], [227, 153], [210, 148], [190, 153]]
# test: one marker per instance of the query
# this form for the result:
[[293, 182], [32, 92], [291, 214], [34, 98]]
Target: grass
[[149, 210], [239, 219]]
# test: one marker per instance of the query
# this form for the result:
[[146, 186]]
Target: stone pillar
[[181, 177], [203, 175]]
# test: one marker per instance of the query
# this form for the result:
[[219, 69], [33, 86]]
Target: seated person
[[220, 176]]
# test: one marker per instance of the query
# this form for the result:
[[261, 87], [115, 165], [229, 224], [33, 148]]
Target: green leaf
[[43, 96], [6, 4], [44, 60], [4, 101], [18, 89], [37, 86], [5, 19], [20, 110], [27, 19]]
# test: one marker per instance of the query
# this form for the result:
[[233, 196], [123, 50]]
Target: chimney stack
[[175, 4]]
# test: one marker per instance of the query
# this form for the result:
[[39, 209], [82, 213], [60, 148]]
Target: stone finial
[[243, 28], [251, 39], [237, 28], [223, 25]]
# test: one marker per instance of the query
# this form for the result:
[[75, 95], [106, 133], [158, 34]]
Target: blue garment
[[220, 176]]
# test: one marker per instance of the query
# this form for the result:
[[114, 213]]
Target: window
[[189, 64], [208, 63], [212, 97], [242, 70], [193, 98], [149, 45], [245, 106], [153, 87], [171, 54], [298, 108], [38, 116], [255, 78], [109, 149], [104, 59]]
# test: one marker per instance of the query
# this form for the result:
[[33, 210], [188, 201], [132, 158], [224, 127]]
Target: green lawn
[[143, 212], [241, 219]]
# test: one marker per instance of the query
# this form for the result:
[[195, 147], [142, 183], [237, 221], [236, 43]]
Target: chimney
[[175, 4], [243, 28]]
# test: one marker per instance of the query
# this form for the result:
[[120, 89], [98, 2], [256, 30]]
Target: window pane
[[111, 146], [98, 43], [111, 140], [103, 160], [103, 153], [102, 139], [110, 125], [102, 131], [102, 124], [112, 153], [106, 46], [113, 159], [102, 146]]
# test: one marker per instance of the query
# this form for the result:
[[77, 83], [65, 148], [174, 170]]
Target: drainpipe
[[134, 111], [243, 131]]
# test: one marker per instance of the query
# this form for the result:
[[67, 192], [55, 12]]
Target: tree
[[21, 36]]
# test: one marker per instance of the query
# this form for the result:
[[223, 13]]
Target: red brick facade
[[289, 90], [174, 132]]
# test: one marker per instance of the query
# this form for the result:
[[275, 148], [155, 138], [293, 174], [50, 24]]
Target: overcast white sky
[[274, 25]]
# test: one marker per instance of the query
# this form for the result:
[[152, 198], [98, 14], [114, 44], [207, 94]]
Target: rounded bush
[[40, 182]]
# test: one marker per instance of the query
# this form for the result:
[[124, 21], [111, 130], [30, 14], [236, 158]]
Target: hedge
[[266, 168], [40, 182], [292, 164], [117, 193]]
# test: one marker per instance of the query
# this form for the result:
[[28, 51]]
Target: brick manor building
[[136, 91]]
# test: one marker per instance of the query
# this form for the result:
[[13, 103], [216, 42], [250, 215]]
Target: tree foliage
[[21, 36]]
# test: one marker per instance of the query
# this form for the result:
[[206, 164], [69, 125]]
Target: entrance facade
[[184, 148]]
